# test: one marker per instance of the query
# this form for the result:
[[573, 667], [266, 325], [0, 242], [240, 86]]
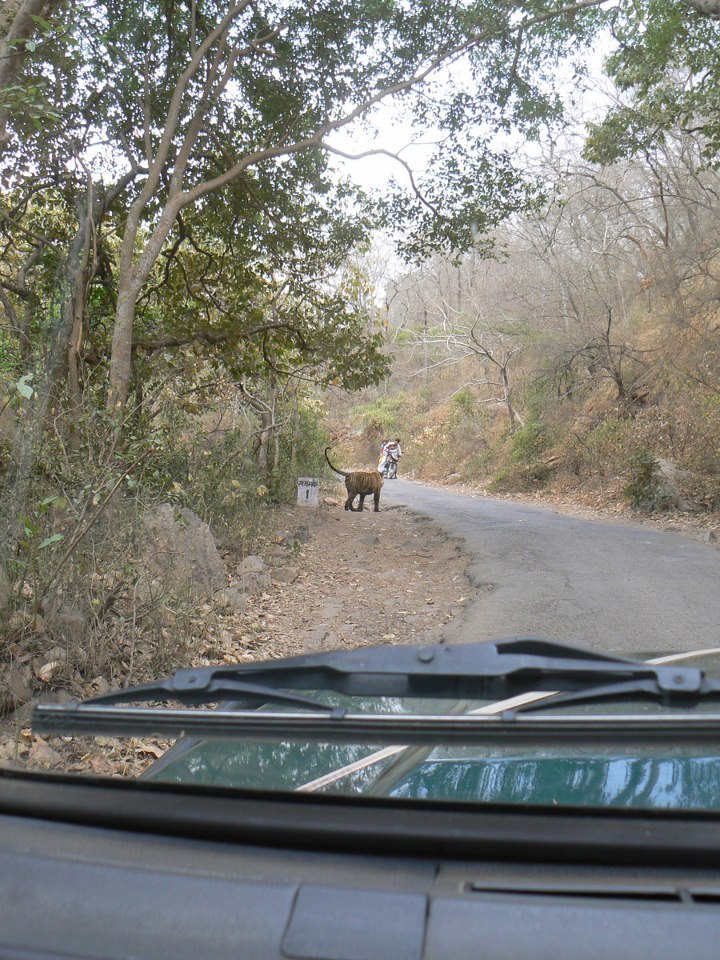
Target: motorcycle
[[389, 467]]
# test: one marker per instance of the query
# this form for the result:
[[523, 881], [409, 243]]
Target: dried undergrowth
[[339, 580]]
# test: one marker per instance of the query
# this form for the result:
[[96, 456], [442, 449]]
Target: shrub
[[515, 478], [528, 443], [381, 416], [603, 449], [524, 468], [643, 489]]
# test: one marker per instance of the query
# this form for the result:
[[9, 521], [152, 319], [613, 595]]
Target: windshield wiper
[[200, 686], [481, 671]]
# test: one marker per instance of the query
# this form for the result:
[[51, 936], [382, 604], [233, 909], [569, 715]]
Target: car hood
[[683, 777]]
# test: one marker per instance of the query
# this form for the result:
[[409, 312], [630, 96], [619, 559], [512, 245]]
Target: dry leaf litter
[[332, 580]]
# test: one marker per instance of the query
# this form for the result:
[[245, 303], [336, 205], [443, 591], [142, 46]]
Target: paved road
[[599, 584]]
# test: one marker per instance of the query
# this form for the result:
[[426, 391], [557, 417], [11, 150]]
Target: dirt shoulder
[[358, 579], [332, 580]]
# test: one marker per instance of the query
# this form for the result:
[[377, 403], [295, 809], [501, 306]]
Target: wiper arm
[[708, 689], [203, 685], [473, 671], [493, 670]]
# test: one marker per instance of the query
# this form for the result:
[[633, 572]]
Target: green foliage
[[38, 533], [524, 468], [465, 402], [218, 476], [220, 481], [301, 456], [287, 213], [9, 356], [529, 442], [382, 416], [516, 478], [601, 450], [667, 62]]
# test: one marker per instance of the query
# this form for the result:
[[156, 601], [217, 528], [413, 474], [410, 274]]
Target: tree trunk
[[79, 269], [513, 416], [121, 351], [276, 451], [295, 436], [133, 274], [266, 428]]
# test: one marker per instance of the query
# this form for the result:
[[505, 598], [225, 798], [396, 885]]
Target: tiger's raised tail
[[342, 473]]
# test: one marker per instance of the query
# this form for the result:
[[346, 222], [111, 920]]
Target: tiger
[[360, 483]]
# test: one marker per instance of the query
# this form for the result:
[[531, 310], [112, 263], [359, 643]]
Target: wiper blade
[[494, 670], [339, 726]]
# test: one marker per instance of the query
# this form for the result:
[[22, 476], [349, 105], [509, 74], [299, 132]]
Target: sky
[[395, 134]]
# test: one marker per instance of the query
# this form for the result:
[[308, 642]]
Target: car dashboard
[[148, 872]]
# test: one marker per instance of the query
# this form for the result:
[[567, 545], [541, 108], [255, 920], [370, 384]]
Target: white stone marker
[[308, 491]]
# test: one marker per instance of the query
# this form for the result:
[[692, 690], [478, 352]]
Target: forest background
[[192, 301]]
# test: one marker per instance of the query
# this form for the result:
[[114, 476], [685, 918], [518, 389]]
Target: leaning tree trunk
[[121, 352], [133, 273], [513, 416]]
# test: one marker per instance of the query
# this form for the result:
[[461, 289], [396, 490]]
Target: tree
[[666, 64], [249, 95], [463, 315], [20, 21]]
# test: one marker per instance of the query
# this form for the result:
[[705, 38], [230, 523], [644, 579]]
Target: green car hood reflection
[[626, 782], [670, 778], [662, 777]]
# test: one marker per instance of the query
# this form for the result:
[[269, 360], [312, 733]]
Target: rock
[[231, 598], [149, 591], [64, 621], [253, 576], [669, 491], [181, 552], [15, 689], [286, 574], [252, 565], [18, 682]]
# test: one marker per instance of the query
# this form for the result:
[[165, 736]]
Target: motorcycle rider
[[390, 453]]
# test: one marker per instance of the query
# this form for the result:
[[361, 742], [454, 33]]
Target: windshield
[[618, 750], [348, 329]]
